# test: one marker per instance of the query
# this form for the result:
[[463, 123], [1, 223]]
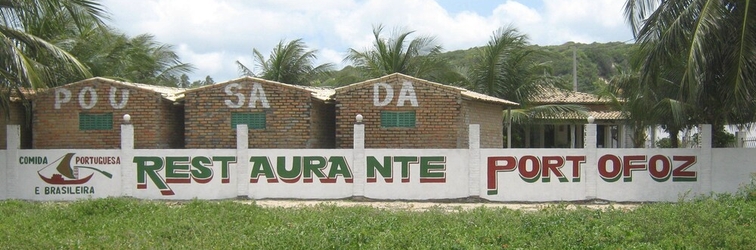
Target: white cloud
[[209, 63], [331, 56], [515, 12], [587, 20], [213, 34]]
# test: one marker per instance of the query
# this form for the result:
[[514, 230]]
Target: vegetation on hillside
[[597, 63]]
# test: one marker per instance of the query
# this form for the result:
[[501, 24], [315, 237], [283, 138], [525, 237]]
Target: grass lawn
[[727, 222]]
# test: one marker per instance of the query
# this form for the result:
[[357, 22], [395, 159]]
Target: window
[[89, 121], [398, 119], [253, 120]]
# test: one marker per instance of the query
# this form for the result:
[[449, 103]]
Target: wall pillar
[[242, 161], [7, 172], [705, 136], [358, 157], [473, 159], [589, 171], [740, 138], [621, 138], [509, 127], [705, 157], [128, 172], [527, 137], [541, 136], [572, 135], [653, 136], [607, 140]]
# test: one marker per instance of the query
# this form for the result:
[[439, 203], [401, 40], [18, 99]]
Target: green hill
[[597, 63]]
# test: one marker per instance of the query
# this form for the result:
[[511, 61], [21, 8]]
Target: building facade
[[17, 114], [400, 111], [87, 114], [277, 115], [566, 130]]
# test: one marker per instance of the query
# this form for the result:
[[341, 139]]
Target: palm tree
[[505, 67], [140, 59], [705, 49], [398, 54], [29, 61], [27, 57], [288, 63], [108, 53], [647, 106]]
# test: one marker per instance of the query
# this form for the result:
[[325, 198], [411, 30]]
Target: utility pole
[[574, 68], [573, 127]]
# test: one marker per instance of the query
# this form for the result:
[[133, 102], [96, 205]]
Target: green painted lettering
[[225, 162], [384, 169], [177, 169], [406, 161], [286, 175], [201, 172], [432, 169], [340, 167], [313, 165], [261, 166], [147, 166]]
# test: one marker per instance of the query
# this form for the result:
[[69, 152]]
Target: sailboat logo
[[65, 174]]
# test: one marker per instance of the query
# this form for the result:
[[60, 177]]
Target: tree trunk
[[673, 140], [639, 135]]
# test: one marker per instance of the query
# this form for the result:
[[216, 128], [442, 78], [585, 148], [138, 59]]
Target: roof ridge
[[462, 91], [169, 93], [317, 92]]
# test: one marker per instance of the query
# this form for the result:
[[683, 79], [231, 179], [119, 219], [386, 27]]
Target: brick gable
[[442, 114], [294, 118], [56, 116]]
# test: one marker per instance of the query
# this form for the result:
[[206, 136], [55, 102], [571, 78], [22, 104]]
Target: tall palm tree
[[141, 59], [506, 68], [647, 106], [27, 57], [290, 63], [705, 48], [399, 54], [27, 60], [109, 53]]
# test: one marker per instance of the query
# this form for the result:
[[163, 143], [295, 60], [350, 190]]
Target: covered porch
[[569, 132]]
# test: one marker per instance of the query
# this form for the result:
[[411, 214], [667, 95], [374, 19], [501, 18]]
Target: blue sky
[[483, 7], [214, 34]]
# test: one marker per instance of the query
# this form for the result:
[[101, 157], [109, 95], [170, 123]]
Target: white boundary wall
[[506, 175]]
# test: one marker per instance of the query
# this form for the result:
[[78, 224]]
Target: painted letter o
[[614, 174], [93, 98]]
